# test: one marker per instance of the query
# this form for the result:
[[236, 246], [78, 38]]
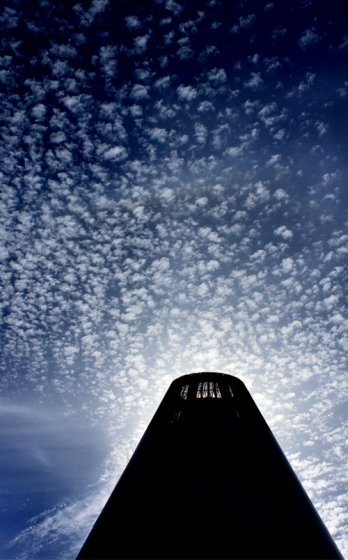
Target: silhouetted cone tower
[[208, 480]]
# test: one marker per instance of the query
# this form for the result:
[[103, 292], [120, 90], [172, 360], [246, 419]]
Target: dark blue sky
[[173, 199]]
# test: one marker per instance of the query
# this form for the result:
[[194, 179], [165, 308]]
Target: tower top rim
[[207, 376]]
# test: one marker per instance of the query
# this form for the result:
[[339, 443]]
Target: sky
[[173, 185]]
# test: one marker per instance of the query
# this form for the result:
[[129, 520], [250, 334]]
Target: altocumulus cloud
[[172, 199]]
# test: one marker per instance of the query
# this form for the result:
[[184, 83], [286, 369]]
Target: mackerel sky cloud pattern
[[173, 198]]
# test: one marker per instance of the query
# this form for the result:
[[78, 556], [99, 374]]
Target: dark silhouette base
[[208, 480]]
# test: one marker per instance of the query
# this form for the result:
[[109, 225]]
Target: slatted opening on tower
[[206, 390]]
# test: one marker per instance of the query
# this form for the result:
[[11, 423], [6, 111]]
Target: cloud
[[284, 232], [158, 134], [234, 151], [108, 60], [173, 7], [244, 22], [308, 38], [258, 194], [186, 93], [217, 76], [116, 153], [200, 133], [133, 22], [162, 83], [87, 17], [45, 453], [185, 53], [254, 82], [140, 43], [247, 21], [272, 64], [139, 91]]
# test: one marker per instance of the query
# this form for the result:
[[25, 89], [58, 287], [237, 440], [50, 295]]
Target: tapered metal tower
[[208, 480]]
